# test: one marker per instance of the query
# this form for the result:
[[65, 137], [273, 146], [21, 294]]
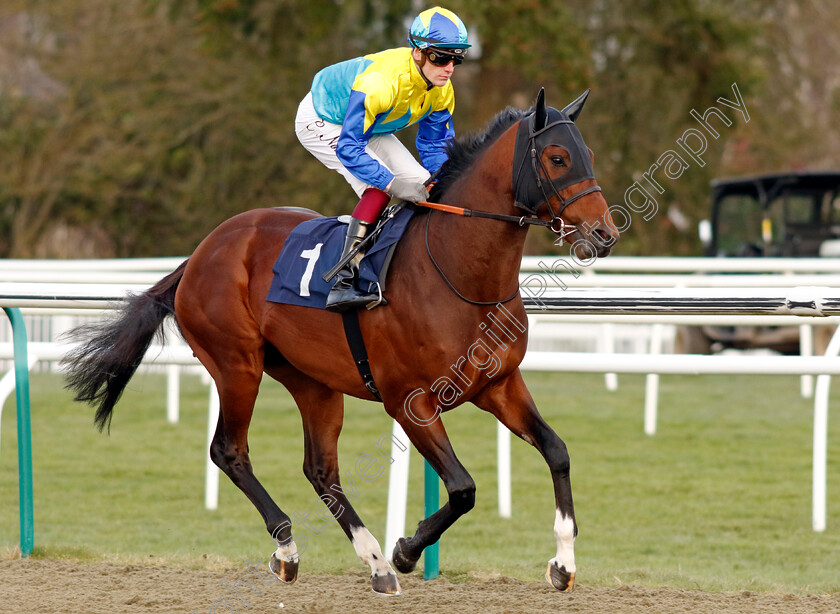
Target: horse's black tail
[[100, 368]]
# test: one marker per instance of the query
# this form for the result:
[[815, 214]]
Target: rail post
[[24, 432], [431, 567]]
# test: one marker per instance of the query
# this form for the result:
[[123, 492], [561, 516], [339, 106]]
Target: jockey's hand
[[407, 189]]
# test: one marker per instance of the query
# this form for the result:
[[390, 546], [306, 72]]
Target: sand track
[[50, 586]]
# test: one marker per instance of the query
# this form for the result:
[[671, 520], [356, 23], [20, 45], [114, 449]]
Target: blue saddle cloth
[[314, 247]]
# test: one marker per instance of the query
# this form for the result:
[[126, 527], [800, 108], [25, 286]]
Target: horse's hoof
[[559, 578], [286, 571], [401, 559], [386, 585]]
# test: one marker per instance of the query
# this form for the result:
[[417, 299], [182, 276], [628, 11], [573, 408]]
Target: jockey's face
[[436, 75]]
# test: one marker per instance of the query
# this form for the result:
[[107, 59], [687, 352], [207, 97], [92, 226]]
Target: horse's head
[[553, 178]]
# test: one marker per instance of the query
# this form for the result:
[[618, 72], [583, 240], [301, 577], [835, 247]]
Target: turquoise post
[[431, 480], [24, 432]]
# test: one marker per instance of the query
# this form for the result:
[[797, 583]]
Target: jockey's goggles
[[442, 58]]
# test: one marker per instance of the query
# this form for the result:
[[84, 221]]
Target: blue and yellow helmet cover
[[438, 27]]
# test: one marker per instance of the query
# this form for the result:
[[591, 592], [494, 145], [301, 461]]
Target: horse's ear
[[540, 114], [574, 108]]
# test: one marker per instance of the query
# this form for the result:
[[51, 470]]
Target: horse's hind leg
[[237, 375], [511, 403], [322, 411]]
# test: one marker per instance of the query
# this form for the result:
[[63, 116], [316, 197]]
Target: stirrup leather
[[345, 295]]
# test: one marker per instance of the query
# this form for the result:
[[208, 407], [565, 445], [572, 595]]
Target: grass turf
[[719, 499]]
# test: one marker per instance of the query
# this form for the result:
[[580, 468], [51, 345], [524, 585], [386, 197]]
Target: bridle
[[539, 175], [530, 189], [543, 128]]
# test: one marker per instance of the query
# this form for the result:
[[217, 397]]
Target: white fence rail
[[632, 264], [809, 288]]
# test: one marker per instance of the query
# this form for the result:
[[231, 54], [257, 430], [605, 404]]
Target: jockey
[[349, 117]]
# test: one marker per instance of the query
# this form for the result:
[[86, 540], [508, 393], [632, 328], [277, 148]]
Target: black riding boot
[[344, 295]]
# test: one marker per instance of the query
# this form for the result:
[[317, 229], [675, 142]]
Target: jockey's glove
[[407, 189]]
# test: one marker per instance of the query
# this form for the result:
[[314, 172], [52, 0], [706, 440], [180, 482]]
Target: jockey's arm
[[363, 110], [433, 134]]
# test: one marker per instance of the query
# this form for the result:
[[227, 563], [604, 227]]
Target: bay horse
[[450, 277]]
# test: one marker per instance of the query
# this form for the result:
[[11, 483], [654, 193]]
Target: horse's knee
[[553, 449], [557, 455], [462, 498]]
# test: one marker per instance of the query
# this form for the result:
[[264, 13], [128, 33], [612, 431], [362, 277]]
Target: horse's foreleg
[[426, 431], [511, 403], [322, 411]]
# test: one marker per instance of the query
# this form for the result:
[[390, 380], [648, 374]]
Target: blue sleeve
[[352, 142], [433, 134]]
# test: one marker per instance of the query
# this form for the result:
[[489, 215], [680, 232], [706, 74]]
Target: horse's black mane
[[463, 152]]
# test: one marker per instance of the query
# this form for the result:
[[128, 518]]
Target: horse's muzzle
[[594, 243]]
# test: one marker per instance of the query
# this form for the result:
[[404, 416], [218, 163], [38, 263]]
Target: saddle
[[314, 246]]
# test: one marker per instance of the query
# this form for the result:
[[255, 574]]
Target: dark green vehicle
[[785, 215], [782, 215]]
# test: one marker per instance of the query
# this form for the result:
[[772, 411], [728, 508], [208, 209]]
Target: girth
[[357, 348]]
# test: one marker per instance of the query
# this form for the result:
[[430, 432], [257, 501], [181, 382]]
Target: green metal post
[[431, 568], [24, 432]]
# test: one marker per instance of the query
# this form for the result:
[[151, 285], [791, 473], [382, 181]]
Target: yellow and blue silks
[[383, 93]]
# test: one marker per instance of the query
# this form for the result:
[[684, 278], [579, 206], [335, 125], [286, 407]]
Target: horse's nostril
[[604, 237]]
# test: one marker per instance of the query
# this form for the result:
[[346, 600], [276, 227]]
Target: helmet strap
[[420, 64]]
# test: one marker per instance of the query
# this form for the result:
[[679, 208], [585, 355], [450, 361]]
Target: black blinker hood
[[546, 126]]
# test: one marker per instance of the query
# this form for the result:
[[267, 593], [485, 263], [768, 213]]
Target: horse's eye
[[558, 161]]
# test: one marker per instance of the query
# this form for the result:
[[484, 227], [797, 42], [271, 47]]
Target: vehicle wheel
[[691, 340]]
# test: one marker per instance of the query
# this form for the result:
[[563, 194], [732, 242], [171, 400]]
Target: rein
[[540, 176], [564, 229], [443, 275], [532, 138]]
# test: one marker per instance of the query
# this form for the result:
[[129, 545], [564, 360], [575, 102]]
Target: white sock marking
[[288, 552], [564, 533], [367, 548]]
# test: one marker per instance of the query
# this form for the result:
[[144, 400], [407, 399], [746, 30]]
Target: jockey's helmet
[[440, 28]]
